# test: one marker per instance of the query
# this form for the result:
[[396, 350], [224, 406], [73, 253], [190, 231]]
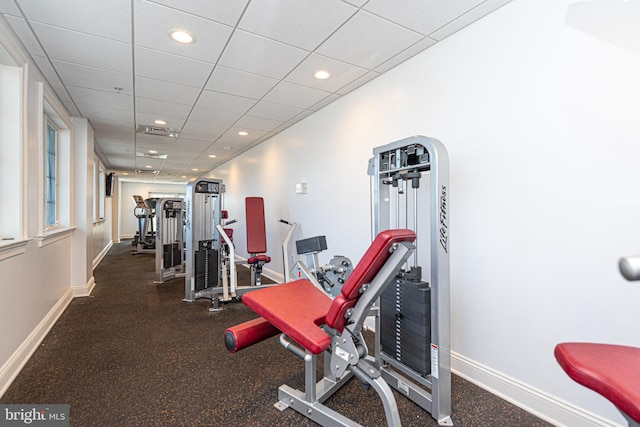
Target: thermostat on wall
[[301, 188]]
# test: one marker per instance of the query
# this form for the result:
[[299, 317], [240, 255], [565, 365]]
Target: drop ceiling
[[251, 68]]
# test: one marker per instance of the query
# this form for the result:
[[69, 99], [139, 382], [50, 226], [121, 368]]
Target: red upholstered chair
[[610, 370], [312, 323], [256, 238]]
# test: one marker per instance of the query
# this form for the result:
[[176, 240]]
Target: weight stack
[[405, 322], [206, 263]]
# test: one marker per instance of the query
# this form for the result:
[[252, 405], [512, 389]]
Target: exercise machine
[[144, 241], [256, 238], [328, 277], [333, 326], [410, 182], [210, 261], [611, 370], [293, 226], [170, 251], [295, 310], [203, 210]]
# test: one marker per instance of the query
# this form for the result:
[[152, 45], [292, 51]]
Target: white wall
[[42, 275], [539, 112], [128, 222]]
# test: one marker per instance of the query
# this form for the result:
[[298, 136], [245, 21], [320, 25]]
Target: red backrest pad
[[256, 232], [365, 271]]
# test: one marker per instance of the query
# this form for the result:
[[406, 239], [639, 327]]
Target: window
[[55, 171], [102, 182], [50, 170], [12, 233]]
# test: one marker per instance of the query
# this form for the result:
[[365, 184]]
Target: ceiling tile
[[472, 15], [341, 73], [367, 41], [295, 95], [110, 19], [359, 82], [149, 119], [260, 55], [85, 49], [61, 91], [220, 117], [162, 108], [250, 123], [166, 91], [101, 98], [47, 70], [202, 130], [224, 11], [226, 102], [406, 54], [28, 39], [9, 7], [103, 113], [270, 110], [301, 23], [171, 68], [241, 83], [153, 23], [93, 78], [423, 16], [328, 100]]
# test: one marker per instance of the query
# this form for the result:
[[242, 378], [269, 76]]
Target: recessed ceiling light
[[322, 74], [228, 147], [184, 176], [148, 166], [195, 169], [153, 152], [213, 156], [243, 133], [181, 36], [160, 122], [125, 173]]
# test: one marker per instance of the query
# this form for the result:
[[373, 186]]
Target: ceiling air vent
[[147, 172], [151, 155], [157, 131]]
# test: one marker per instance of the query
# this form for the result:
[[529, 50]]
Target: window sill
[[9, 248], [54, 236]]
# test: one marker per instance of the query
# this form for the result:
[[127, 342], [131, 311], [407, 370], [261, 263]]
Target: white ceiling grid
[[251, 68]]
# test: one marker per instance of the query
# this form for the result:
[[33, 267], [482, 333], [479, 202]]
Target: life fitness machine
[[410, 180], [144, 241], [611, 370], [296, 309], [333, 326], [170, 254], [203, 209]]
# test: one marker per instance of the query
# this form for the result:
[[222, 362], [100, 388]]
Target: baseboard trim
[[544, 406], [84, 290], [101, 255], [12, 367]]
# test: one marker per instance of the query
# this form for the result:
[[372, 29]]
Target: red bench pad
[[297, 309], [611, 370], [259, 258]]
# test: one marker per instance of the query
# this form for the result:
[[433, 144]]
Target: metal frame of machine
[[203, 210], [393, 168], [170, 253]]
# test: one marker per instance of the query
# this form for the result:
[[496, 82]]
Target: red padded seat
[[296, 308], [611, 370], [299, 308], [259, 258]]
